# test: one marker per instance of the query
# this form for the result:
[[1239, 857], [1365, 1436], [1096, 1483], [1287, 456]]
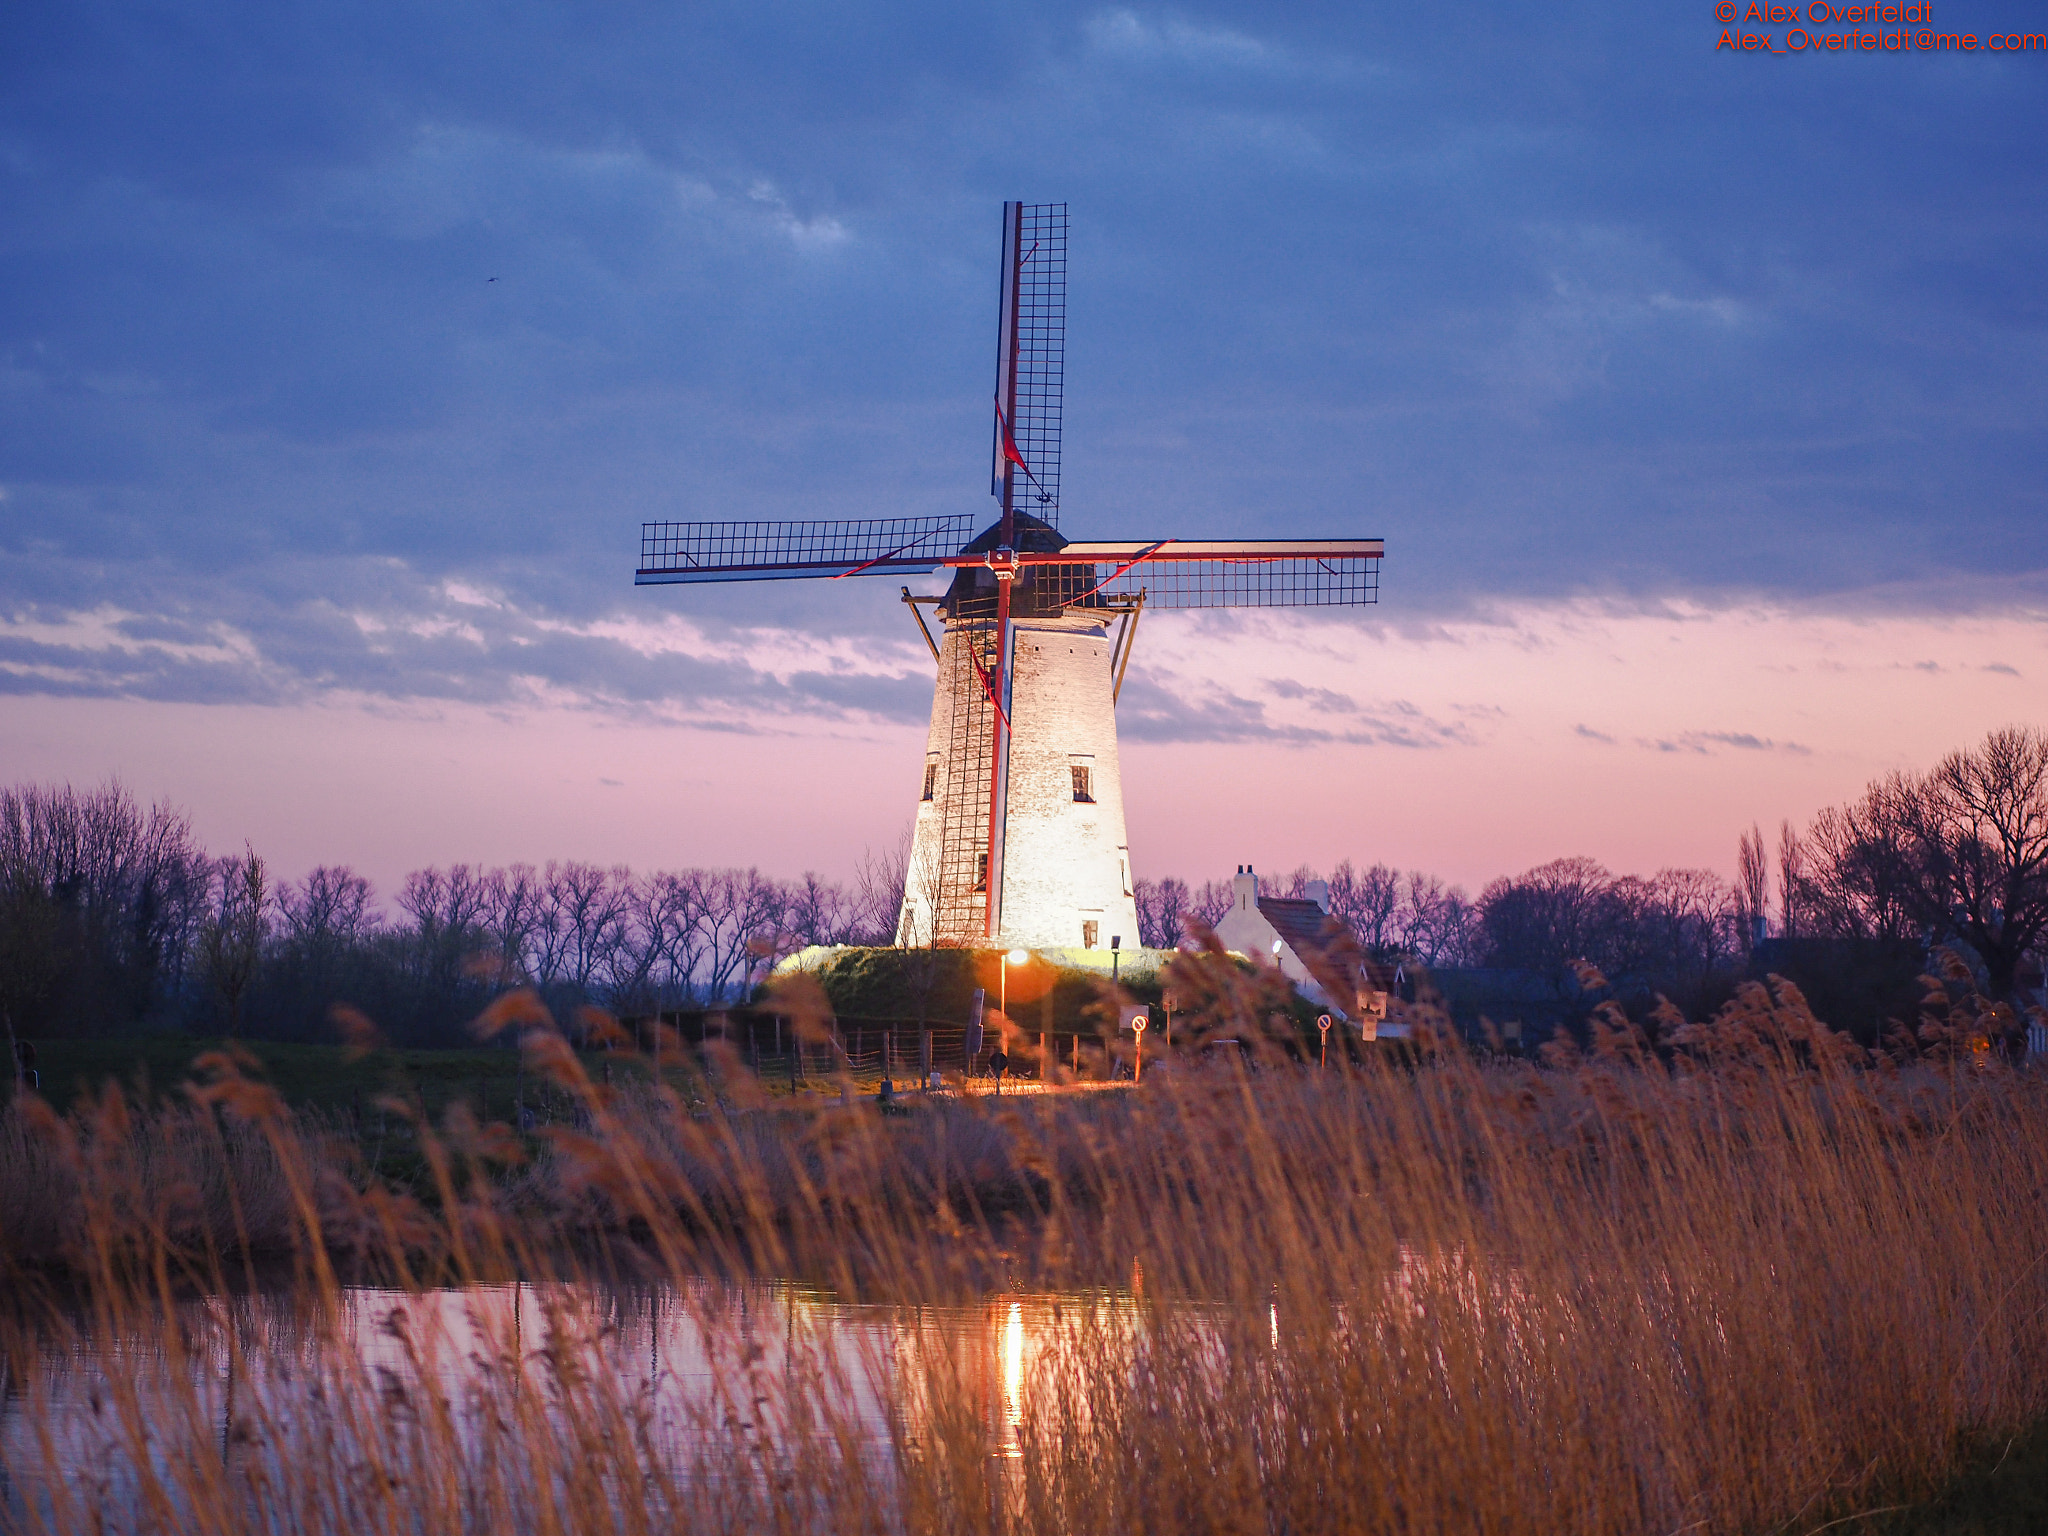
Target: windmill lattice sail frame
[[1031, 359], [1192, 573]]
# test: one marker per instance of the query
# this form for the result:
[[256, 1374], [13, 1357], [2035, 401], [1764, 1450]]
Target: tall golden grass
[[1751, 1282]]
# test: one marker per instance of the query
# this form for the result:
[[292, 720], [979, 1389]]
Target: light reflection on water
[[696, 1359], [699, 1366]]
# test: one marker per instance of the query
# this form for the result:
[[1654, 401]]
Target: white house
[[1312, 949]]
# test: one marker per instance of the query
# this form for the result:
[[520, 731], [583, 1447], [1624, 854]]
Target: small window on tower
[[981, 871], [1084, 787], [931, 779], [1090, 929]]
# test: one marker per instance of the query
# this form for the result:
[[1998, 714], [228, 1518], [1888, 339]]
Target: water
[[254, 1383], [656, 1391]]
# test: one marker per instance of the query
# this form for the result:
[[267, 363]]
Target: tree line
[[1672, 931], [1955, 858], [112, 915]]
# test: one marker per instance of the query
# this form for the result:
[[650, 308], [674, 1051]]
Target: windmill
[[1019, 838]]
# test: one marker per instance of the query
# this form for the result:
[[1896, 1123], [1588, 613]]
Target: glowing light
[[1013, 1365], [1017, 957]]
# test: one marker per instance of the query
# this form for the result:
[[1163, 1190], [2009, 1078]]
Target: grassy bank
[[150, 1068], [336, 1080], [1760, 1282]]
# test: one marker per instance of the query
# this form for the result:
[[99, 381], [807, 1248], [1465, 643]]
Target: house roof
[[1322, 943]]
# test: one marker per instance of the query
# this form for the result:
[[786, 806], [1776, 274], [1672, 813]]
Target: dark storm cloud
[[1558, 300]]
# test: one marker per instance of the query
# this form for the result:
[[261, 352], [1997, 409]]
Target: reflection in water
[[683, 1386], [1013, 1374], [689, 1367]]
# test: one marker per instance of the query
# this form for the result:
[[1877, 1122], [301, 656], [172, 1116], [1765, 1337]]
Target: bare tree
[[880, 884], [1791, 879], [590, 904], [328, 909], [1857, 879], [1979, 828], [550, 938], [231, 940], [28, 950], [1210, 901], [1548, 916], [512, 916], [741, 913], [1365, 901], [1295, 883], [1752, 886], [924, 881], [447, 911], [1435, 922], [1160, 905], [1695, 924], [817, 912], [113, 895], [651, 964]]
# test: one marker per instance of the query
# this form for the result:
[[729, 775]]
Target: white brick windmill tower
[[1020, 829]]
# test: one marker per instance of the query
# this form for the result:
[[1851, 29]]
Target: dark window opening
[[1090, 929], [981, 871], [931, 779], [1084, 785]]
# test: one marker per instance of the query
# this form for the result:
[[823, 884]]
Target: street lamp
[[1014, 957], [1116, 944]]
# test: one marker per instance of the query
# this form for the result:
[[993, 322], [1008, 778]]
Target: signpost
[[1135, 1017], [973, 1042]]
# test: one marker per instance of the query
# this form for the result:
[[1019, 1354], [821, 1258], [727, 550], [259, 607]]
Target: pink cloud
[[1470, 748]]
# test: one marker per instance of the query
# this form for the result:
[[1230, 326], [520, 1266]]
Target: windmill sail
[[1233, 573], [763, 551], [1031, 358]]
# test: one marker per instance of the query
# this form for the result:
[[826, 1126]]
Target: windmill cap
[[1032, 534]]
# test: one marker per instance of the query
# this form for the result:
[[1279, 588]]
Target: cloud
[[1165, 705], [1322, 700], [1704, 742], [404, 639], [267, 430], [1592, 735], [1125, 34]]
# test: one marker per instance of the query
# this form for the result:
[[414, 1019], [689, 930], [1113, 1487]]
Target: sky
[[1700, 395]]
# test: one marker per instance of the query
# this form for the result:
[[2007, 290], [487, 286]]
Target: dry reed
[[1750, 1283]]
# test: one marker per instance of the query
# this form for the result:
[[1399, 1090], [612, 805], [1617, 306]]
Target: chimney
[[1318, 891], [1244, 889]]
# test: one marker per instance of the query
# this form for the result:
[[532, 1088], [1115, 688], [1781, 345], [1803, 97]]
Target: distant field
[[328, 1077], [310, 1076]]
